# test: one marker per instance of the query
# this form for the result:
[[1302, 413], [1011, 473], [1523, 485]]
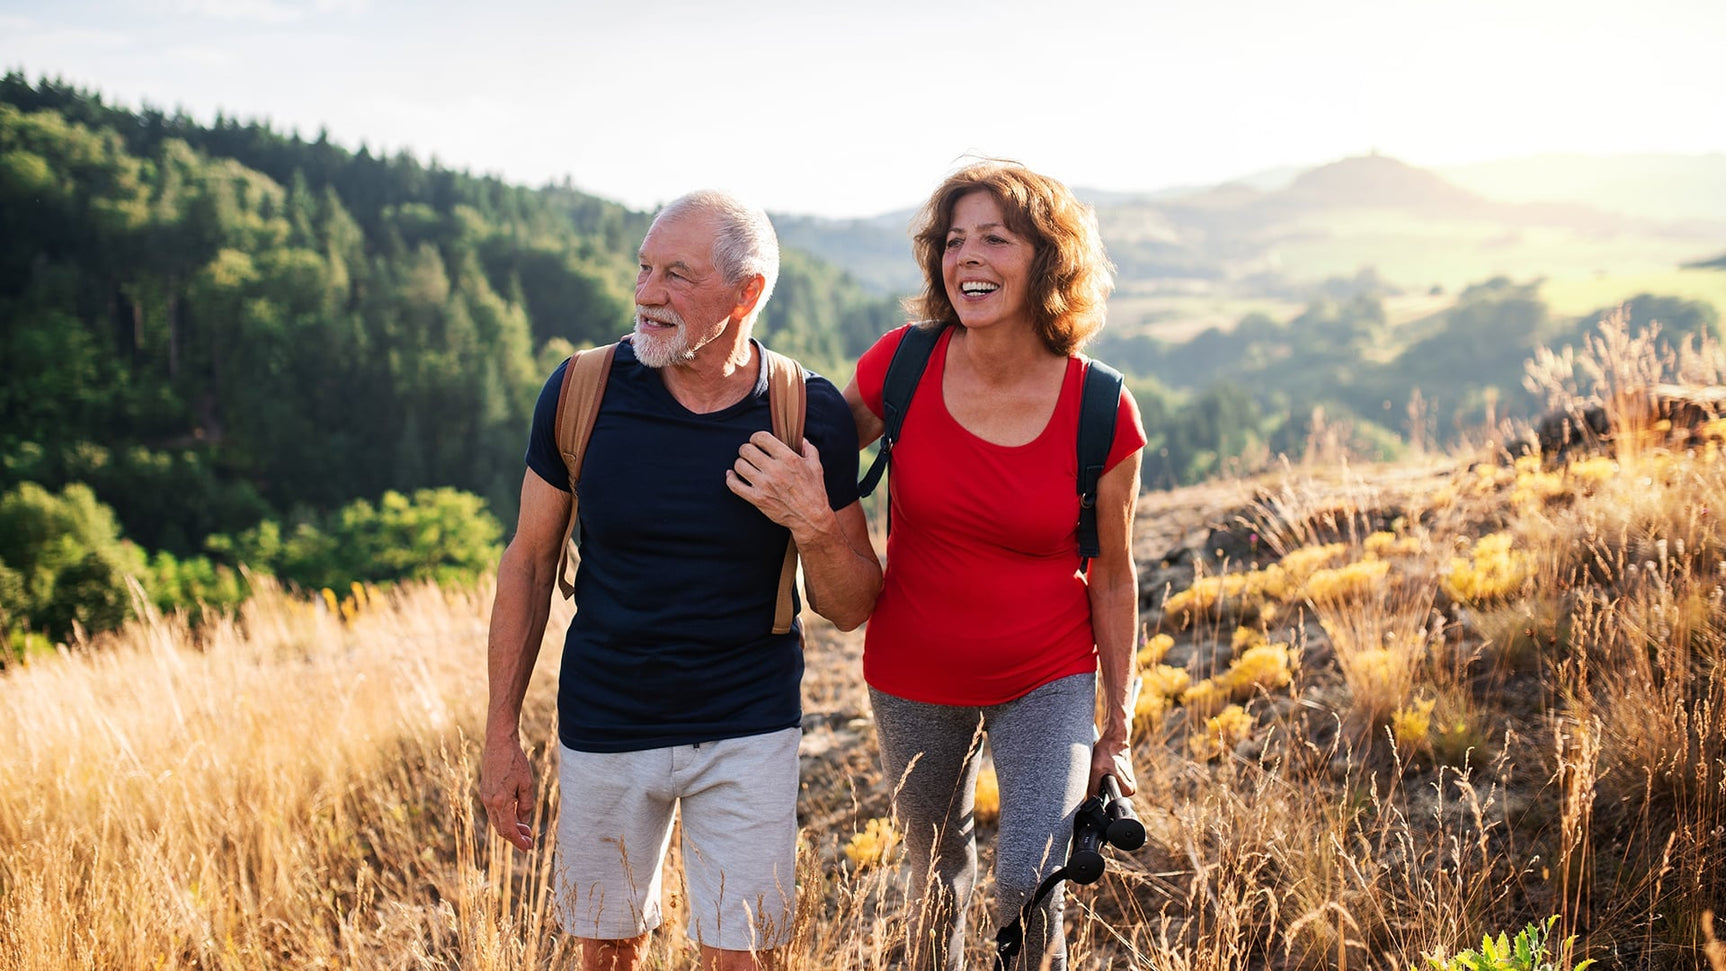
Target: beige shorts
[[739, 813]]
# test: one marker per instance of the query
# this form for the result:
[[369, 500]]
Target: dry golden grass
[[1464, 700], [283, 790]]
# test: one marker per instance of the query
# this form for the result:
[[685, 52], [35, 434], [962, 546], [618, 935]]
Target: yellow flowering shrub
[[1246, 637], [1442, 497], [1536, 489], [1260, 666], [1411, 725], [1155, 650], [987, 808], [1300, 564], [1488, 477], [1246, 595], [1159, 684], [1356, 581], [1164, 681], [1148, 711], [1493, 571], [874, 845], [1222, 733], [1204, 697], [1376, 672], [1594, 471], [1205, 593], [1383, 545], [348, 607]]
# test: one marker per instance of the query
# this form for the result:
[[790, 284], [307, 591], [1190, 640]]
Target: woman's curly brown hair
[[1071, 276]]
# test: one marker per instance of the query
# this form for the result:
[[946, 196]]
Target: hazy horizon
[[811, 111]]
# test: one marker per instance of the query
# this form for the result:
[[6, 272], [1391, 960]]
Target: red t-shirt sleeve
[[1129, 429], [872, 368]]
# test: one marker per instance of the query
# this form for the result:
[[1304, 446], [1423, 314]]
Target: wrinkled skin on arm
[[525, 578], [1114, 593]]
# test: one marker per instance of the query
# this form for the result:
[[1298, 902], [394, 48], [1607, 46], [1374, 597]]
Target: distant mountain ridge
[[1375, 180], [1416, 226]]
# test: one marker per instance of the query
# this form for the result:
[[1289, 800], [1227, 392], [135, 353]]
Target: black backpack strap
[[1097, 411], [904, 372]]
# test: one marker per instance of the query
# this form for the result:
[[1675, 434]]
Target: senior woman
[[987, 622]]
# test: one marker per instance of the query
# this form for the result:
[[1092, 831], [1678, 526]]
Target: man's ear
[[749, 296]]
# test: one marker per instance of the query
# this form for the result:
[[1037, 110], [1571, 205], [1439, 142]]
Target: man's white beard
[[658, 350]]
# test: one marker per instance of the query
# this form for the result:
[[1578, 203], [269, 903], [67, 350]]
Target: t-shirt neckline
[[938, 364]]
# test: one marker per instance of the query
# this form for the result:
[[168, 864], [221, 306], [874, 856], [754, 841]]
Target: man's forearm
[[518, 618]]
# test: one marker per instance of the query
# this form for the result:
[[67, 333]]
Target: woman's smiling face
[[985, 266]]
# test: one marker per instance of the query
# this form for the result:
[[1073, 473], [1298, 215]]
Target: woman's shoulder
[[889, 342]]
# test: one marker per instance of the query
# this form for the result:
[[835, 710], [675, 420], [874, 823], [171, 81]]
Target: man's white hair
[[744, 244]]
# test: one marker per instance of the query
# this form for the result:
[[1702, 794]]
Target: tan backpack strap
[[788, 399], [577, 406]]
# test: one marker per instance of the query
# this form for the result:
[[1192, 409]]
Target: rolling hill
[[1205, 257]]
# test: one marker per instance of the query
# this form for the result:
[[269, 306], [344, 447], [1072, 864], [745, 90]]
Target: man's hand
[[787, 487], [506, 789]]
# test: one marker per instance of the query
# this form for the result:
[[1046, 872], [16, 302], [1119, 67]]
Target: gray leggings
[[1041, 745]]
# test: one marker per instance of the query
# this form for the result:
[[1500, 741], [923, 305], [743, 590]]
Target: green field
[[1178, 317], [1421, 253], [1578, 295]]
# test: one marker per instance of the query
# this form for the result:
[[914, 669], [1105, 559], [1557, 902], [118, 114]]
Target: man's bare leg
[[717, 959], [619, 955]]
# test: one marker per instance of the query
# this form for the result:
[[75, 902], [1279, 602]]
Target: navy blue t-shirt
[[672, 639]]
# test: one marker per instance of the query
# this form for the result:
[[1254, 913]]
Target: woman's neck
[[999, 355]]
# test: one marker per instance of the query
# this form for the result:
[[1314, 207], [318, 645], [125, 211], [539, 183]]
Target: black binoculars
[[1106, 816]]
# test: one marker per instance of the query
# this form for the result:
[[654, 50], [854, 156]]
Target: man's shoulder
[[825, 402], [820, 387]]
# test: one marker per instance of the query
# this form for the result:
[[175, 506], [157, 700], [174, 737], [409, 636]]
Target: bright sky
[[860, 108]]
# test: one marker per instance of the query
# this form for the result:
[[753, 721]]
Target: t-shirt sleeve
[[828, 425], [543, 456], [872, 368], [1129, 430]]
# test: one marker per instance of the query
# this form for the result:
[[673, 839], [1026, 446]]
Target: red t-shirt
[[983, 600]]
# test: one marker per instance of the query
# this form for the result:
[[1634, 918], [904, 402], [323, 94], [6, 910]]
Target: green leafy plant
[[1527, 952]]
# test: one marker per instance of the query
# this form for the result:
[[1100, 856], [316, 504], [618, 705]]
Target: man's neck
[[722, 373]]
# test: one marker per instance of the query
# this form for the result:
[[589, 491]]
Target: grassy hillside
[[1578, 295], [1384, 712]]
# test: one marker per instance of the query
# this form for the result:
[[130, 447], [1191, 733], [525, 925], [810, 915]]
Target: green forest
[[225, 346], [1227, 400], [230, 353]]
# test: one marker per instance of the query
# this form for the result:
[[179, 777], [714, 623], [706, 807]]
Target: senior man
[[675, 691]]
